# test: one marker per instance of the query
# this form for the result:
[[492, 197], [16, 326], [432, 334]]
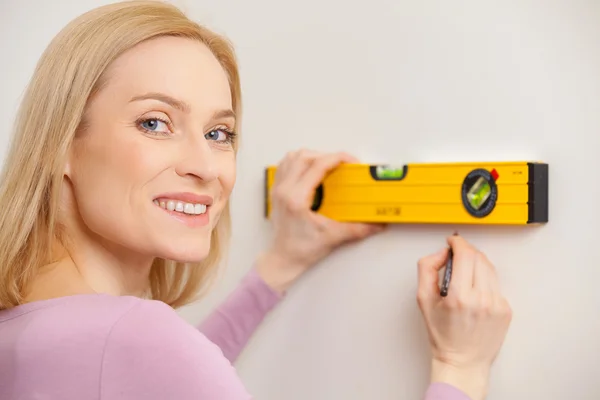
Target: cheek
[[109, 174], [227, 173], [110, 167]]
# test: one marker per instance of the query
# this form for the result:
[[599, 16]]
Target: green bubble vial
[[385, 172], [479, 193]]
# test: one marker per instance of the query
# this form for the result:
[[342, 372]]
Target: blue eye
[[153, 125], [219, 135]]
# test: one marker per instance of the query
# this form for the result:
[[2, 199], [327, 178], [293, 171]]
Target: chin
[[187, 251]]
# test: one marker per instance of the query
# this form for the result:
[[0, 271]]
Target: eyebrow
[[221, 114], [180, 105], [173, 102]]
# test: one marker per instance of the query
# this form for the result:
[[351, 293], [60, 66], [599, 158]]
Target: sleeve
[[444, 391], [151, 353], [232, 324]]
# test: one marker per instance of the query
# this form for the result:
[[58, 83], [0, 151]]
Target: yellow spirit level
[[500, 193]]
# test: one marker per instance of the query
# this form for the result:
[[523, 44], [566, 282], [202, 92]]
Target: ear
[[68, 170], [66, 192]]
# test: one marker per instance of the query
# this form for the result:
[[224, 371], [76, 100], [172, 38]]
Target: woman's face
[[154, 167]]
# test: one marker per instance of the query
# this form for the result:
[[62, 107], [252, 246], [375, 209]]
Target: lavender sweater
[[102, 347]]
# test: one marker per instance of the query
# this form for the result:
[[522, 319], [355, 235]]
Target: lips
[[186, 197]]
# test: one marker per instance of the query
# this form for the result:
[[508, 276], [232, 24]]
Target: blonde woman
[[115, 211]]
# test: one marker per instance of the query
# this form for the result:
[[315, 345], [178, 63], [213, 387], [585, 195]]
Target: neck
[[88, 266], [108, 268]]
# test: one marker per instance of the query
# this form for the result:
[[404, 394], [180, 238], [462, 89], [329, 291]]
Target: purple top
[[107, 347]]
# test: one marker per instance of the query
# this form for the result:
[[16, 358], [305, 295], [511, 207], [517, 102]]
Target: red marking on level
[[495, 174]]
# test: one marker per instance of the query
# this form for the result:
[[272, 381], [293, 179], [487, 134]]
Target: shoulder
[[151, 324], [50, 323], [123, 346], [153, 353], [50, 341]]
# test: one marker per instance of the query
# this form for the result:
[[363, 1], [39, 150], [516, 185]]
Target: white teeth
[[180, 206], [171, 205]]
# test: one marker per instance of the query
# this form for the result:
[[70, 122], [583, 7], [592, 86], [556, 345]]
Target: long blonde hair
[[69, 72]]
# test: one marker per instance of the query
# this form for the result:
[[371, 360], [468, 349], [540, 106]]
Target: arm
[[232, 324]]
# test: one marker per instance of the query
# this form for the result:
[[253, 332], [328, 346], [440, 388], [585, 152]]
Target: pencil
[[447, 275]]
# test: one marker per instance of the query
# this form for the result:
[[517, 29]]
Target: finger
[[495, 280], [492, 281], [428, 276], [295, 184], [316, 172], [283, 166], [281, 192], [463, 265], [298, 163], [351, 159], [481, 274], [350, 231]]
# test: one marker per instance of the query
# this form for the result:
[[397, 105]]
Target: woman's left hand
[[303, 237]]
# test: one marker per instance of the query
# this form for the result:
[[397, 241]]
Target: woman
[[115, 195]]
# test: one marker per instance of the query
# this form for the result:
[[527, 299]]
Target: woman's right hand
[[467, 327]]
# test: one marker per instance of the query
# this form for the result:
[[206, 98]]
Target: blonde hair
[[69, 72]]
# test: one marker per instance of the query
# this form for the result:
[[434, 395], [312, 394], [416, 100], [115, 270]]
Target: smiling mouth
[[181, 207]]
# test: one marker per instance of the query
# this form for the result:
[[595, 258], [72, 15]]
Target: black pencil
[[447, 275]]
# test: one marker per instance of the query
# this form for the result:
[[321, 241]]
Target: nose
[[197, 159]]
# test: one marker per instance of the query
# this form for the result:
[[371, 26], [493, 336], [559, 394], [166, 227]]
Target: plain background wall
[[399, 81]]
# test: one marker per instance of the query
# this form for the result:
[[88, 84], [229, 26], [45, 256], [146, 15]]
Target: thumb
[[346, 232], [428, 268]]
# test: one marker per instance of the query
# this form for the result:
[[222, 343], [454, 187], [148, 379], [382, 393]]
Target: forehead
[[182, 68]]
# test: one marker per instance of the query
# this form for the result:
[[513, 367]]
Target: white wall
[[397, 81]]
